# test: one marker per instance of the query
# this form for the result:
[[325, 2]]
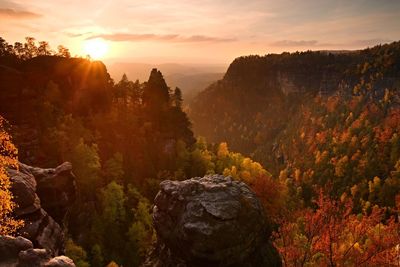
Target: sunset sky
[[208, 31]]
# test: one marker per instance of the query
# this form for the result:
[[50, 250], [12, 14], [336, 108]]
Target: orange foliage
[[355, 100], [8, 158], [321, 137], [345, 136], [332, 235], [332, 103], [271, 193], [393, 119]]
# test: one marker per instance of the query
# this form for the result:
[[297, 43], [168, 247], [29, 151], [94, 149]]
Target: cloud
[[290, 43], [371, 42], [71, 34], [18, 14], [128, 37], [350, 44]]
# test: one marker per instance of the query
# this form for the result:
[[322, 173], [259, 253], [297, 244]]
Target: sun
[[95, 48]]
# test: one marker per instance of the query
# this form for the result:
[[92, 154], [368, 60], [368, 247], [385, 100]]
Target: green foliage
[[113, 168], [86, 162], [113, 199], [140, 234], [124, 138], [97, 258], [76, 253]]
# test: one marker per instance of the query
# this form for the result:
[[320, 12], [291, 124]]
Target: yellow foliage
[[297, 175], [341, 166], [8, 158], [112, 264], [354, 190], [223, 150]]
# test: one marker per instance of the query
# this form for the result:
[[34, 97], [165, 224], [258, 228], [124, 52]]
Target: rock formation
[[210, 221], [19, 252], [42, 197]]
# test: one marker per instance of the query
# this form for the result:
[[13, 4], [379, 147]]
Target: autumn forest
[[315, 135]]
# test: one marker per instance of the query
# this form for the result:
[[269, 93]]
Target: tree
[[331, 235], [43, 49], [113, 168], [8, 158], [272, 194], [63, 52], [140, 233], [19, 49], [86, 162], [156, 92], [76, 253], [30, 48], [97, 255], [113, 221], [177, 98]]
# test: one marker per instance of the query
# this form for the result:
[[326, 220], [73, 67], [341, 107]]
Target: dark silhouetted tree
[[156, 91]]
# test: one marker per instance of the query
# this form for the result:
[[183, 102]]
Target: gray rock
[[33, 257], [210, 221], [60, 261], [10, 248], [24, 191], [41, 196], [56, 188], [19, 252]]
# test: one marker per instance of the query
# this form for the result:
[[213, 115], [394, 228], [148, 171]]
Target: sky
[[201, 31]]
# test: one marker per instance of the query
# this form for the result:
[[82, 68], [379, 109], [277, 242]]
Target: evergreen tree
[[177, 98], [156, 92]]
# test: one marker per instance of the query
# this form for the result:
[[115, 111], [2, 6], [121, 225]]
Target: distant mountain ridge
[[190, 78], [258, 93]]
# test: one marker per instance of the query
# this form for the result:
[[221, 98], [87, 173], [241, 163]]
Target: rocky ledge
[[210, 221], [19, 252], [42, 197]]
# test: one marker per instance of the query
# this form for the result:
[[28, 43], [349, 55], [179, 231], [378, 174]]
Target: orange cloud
[[17, 14], [288, 43], [121, 37]]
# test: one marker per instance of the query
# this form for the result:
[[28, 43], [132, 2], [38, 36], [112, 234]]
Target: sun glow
[[95, 48]]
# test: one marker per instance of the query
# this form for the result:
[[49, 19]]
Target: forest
[[321, 151]]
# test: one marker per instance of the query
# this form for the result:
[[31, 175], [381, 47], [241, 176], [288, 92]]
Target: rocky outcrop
[[42, 197], [19, 252], [210, 221], [55, 187]]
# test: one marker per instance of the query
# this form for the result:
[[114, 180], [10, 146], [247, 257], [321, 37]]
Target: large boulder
[[43, 195], [210, 221], [19, 252], [10, 248]]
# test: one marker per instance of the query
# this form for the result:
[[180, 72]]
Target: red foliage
[[332, 235], [271, 192], [332, 103]]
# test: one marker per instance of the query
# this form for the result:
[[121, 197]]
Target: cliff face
[[258, 94], [210, 221], [274, 75]]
